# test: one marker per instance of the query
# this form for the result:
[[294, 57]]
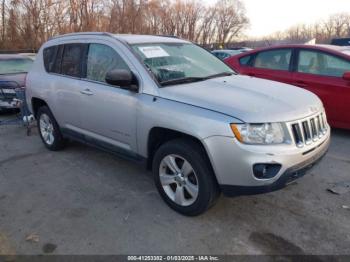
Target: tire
[[198, 189], [52, 138]]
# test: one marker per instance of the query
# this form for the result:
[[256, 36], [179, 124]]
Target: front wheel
[[184, 178], [49, 130]]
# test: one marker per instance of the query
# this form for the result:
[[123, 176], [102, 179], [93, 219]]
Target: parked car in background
[[341, 41], [29, 55], [242, 49], [164, 101], [225, 53], [321, 69], [13, 68]]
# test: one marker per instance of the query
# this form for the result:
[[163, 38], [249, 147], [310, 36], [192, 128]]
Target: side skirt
[[117, 151]]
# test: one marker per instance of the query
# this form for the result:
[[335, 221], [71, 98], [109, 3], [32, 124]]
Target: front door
[[273, 65], [108, 112]]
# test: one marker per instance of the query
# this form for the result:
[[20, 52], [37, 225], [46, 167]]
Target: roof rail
[[82, 33], [171, 36]]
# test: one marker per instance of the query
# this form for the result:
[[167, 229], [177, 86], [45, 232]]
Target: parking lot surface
[[85, 201]]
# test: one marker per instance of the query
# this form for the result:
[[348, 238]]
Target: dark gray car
[[13, 70]]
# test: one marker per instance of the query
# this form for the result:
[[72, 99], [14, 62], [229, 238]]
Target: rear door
[[273, 65], [64, 75], [322, 73]]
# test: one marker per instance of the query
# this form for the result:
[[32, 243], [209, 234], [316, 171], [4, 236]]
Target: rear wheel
[[184, 177], [49, 130]]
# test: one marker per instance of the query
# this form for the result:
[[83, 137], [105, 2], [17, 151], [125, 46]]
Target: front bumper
[[233, 163], [7, 105], [289, 176], [6, 98]]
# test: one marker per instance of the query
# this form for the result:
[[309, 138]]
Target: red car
[[321, 69]]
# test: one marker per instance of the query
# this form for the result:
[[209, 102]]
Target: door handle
[[86, 92], [300, 83]]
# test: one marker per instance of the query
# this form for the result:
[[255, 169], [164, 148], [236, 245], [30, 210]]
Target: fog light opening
[[266, 171]]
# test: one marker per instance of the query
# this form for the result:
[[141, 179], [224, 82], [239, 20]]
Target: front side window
[[71, 60], [15, 65], [101, 59], [274, 59], [176, 62], [318, 63]]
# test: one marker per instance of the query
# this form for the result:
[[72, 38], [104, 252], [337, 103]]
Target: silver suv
[[200, 127]]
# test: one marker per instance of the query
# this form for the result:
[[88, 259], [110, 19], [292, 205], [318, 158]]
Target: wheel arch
[[160, 135], [36, 104]]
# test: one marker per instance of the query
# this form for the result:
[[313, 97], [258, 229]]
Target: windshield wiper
[[182, 80], [192, 79], [220, 75]]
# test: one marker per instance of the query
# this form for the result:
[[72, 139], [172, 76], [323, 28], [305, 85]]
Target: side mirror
[[346, 76], [123, 78]]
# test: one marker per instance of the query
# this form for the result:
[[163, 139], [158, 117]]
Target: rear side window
[[71, 60], [56, 68], [274, 59], [49, 54], [318, 63], [101, 59], [244, 60]]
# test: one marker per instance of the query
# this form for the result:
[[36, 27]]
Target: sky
[[269, 16]]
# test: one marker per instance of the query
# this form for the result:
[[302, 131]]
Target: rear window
[[15, 65]]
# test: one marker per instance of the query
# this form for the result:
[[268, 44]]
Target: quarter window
[[71, 59], [244, 60], [275, 59], [101, 59], [318, 63]]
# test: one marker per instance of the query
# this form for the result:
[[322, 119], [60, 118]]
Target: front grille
[[308, 131], [6, 97]]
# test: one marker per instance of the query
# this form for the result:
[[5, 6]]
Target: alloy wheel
[[46, 129], [179, 180]]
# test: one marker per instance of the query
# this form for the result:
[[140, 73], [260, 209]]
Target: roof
[[135, 39], [223, 50], [128, 38], [345, 50]]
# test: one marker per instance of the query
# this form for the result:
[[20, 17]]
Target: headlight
[[270, 133]]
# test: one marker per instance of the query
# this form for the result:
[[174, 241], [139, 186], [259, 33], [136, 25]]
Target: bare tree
[[230, 19], [29, 23], [3, 21], [335, 26]]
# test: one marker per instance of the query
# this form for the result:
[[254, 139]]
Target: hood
[[252, 100], [18, 78]]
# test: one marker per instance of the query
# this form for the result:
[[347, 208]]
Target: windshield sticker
[[153, 51]]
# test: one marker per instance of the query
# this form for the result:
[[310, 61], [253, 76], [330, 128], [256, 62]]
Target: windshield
[[15, 65], [172, 62]]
